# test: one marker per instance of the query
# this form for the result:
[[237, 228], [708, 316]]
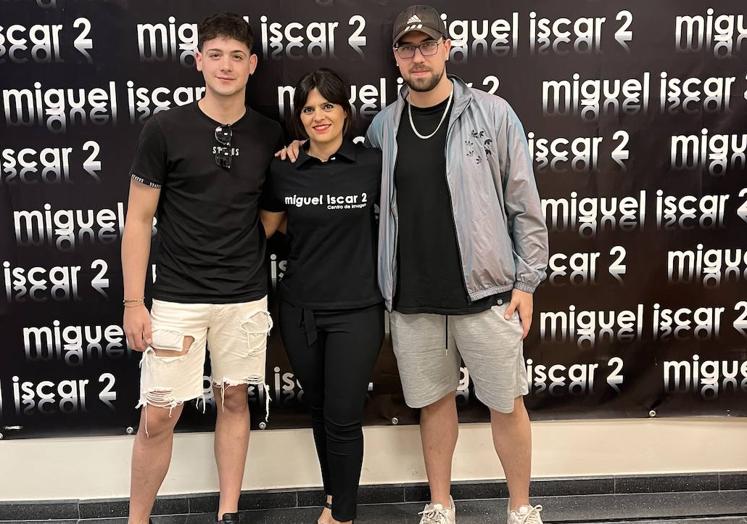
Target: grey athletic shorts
[[430, 348]]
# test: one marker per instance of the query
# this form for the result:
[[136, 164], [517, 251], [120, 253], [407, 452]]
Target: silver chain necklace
[[443, 117]]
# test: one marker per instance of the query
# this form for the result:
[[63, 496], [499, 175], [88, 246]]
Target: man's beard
[[430, 83]]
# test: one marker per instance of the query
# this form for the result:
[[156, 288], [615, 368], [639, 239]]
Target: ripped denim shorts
[[172, 367]]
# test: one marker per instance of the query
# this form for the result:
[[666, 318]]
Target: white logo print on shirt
[[356, 201]]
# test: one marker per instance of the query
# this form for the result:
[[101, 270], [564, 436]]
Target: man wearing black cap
[[462, 247]]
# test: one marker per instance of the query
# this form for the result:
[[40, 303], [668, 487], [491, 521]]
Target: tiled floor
[[670, 508]]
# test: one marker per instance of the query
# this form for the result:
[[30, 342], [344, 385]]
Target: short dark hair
[[330, 86], [228, 25]]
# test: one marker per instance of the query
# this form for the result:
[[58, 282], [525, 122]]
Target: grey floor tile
[[641, 506], [203, 503], [310, 497], [733, 481], [417, 493], [53, 510], [380, 494], [193, 518], [175, 519], [267, 499], [468, 512], [478, 490], [714, 520], [280, 516], [171, 506], [90, 509], [38, 521], [667, 483], [580, 486], [200, 518], [725, 507], [394, 513], [119, 520]]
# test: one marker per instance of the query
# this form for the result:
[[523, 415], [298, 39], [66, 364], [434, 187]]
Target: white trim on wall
[[98, 467]]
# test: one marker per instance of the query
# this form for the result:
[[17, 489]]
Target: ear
[[253, 62], [447, 48], [198, 60]]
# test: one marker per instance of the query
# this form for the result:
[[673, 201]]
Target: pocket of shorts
[[257, 327], [167, 340], [514, 321]]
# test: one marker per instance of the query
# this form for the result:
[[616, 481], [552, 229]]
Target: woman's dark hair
[[330, 86], [229, 25]]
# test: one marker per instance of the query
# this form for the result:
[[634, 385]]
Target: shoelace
[[436, 515], [532, 516]]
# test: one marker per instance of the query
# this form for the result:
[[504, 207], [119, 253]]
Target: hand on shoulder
[[291, 151]]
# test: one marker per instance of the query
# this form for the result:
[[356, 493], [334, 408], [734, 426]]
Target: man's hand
[[137, 327], [290, 152], [522, 302]]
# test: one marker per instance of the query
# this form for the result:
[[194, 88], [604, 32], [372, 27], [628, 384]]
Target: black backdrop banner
[[636, 117]]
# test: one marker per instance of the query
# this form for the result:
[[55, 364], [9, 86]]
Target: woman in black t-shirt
[[331, 313]]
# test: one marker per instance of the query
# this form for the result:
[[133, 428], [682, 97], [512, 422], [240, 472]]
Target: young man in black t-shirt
[[199, 169]]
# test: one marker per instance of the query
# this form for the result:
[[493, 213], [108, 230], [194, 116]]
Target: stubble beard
[[426, 84]]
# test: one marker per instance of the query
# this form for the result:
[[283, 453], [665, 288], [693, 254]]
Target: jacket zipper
[[395, 219]]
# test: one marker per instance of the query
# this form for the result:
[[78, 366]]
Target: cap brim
[[427, 30]]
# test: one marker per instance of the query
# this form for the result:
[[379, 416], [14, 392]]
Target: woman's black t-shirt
[[332, 231]]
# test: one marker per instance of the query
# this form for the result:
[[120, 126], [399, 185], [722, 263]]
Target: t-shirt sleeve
[[270, 199], [150, 163]]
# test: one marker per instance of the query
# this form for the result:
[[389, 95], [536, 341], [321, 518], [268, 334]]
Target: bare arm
[[272, 222], [141, 208]]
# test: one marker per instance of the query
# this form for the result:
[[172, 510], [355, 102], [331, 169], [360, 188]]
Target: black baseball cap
[[423, 18]]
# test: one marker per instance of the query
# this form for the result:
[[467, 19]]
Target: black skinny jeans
[[333, 354]]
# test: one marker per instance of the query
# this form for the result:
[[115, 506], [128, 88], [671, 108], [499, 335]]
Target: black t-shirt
[[429, 276], [212, 246], [332, 229]]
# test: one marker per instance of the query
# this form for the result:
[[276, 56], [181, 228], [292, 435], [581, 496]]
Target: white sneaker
[[437, 514], [525, 515]]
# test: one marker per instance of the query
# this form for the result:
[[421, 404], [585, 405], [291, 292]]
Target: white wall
[[97, 467]]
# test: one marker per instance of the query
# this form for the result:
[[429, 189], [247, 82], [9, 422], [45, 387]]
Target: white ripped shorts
[[236, 335]]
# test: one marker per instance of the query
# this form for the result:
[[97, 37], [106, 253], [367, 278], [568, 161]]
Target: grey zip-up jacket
[[500, 229]]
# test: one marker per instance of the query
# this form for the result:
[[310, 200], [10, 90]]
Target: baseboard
[[379, 494]]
